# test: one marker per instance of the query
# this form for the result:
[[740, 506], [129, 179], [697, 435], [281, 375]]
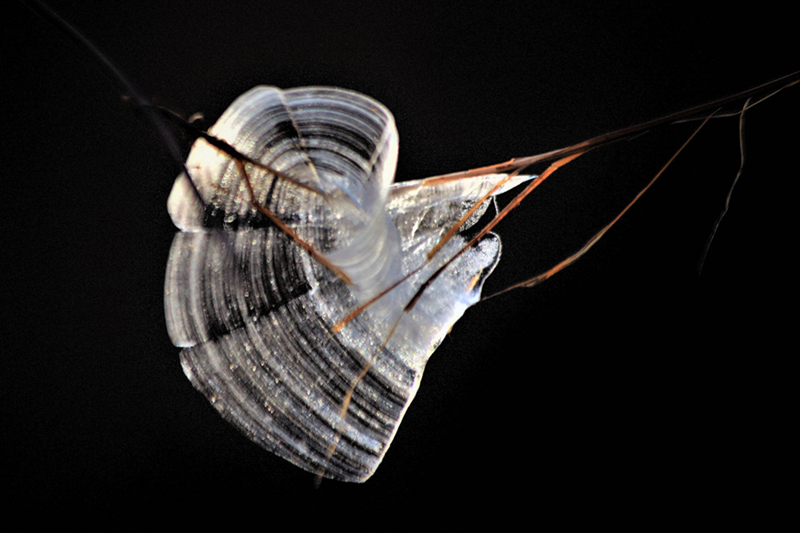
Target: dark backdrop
[[624, 383]]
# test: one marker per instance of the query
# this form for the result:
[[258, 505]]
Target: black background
[[626, 382]]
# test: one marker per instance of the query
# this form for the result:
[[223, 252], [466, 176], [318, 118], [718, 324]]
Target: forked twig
[[536, 280]]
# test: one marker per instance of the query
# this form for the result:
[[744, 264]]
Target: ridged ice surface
[[254, 311]]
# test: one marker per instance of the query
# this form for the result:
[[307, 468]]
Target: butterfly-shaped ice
[[254, 312]]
